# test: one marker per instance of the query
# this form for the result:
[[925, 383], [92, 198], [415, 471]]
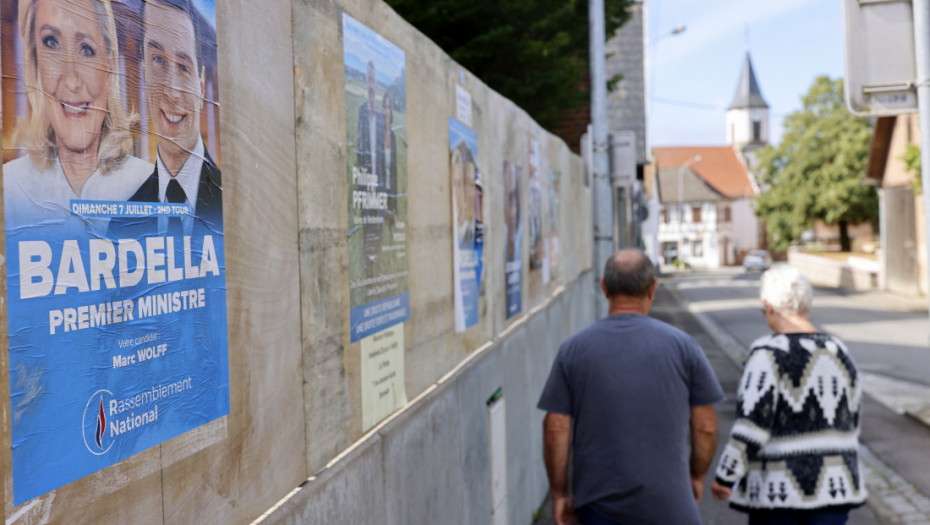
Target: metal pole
[[601, 193], [922, 63]]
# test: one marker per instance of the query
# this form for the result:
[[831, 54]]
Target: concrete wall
[[855, 273], [430, 462], [292, 448]]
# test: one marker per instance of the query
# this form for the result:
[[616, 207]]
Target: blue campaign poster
[[513, 264], [116, 267], [467, 223], [376, 171]]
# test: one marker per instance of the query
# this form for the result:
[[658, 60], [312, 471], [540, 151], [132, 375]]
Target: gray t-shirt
[[629, 381]]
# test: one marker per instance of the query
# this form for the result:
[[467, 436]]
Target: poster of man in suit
[[376, 154], [113, 212]]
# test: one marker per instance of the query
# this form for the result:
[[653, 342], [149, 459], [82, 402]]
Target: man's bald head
[[629, 273]]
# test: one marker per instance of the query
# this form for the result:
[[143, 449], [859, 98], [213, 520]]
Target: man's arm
[[703, 445], [557, 430]]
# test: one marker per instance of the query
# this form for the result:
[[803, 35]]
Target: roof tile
[[719, 167]]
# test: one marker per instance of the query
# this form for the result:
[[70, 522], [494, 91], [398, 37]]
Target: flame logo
[[101, 425], [94, 426]]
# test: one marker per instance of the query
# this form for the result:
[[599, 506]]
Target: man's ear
[[604, 289], [652, 289]]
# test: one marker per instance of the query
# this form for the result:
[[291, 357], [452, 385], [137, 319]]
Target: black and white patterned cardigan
[[795, 441]]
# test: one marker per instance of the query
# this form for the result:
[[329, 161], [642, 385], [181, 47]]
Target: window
[[726, 214], [697, 248], [757, 131], [696, 214]]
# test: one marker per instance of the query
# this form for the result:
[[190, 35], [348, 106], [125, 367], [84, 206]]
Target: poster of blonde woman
[[114, 231]]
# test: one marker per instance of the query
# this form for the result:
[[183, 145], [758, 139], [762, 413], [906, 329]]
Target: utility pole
[[922, 67], [601, 190]]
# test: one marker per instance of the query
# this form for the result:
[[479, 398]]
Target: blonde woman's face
[[73, 65]]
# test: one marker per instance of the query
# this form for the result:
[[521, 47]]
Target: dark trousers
[[588, 516], [799, 517]]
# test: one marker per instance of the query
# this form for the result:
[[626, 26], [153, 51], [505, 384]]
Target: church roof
[[748, 94], [718, 175]]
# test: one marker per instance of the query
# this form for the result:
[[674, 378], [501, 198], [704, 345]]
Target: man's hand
[[563, 510], [720, 492], [697, 486]]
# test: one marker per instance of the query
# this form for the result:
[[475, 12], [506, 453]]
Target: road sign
[[879, 49], [622, 158]]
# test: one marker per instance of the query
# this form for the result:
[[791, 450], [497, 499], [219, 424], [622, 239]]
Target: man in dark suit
[[369, 136], [175, 80], [369, 160]]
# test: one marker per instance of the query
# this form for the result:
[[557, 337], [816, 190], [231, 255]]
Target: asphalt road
[[886, 335]]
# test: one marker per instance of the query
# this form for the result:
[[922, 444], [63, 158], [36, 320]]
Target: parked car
[[757, 260]]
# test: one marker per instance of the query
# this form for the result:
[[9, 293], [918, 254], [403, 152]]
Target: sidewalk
[[667, 308]]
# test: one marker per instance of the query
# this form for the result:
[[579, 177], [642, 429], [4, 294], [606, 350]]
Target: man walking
[[621, 399]]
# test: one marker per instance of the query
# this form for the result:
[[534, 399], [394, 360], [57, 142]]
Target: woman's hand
[[720, 492]]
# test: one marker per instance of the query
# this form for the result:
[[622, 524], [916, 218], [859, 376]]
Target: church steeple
[[748, 114], [748, 94]]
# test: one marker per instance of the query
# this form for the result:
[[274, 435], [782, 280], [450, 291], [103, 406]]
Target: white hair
[[787, 290]]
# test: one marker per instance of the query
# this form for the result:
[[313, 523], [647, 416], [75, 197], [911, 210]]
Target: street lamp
[[677, 30], [681, 208]]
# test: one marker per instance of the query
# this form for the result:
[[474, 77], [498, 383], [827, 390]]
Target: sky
[[694, 74]]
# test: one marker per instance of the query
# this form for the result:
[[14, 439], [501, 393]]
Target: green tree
[[534, 52], [816, 171]]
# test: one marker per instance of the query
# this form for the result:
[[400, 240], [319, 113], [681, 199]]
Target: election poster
[[382, 375], [376, 123], [513, 265], [555, 195], [538, 256], [116, 269], [467, 226]]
